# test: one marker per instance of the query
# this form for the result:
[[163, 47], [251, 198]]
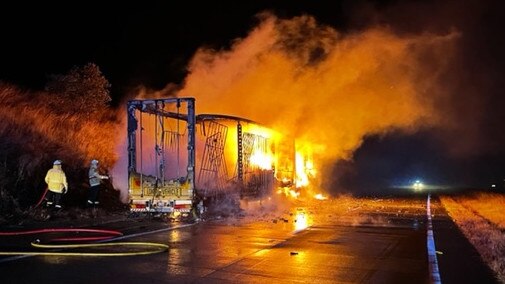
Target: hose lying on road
[[108, 233], [158, 248], [154, 247]]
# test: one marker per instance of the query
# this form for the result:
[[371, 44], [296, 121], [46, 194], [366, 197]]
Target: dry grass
[[34, 135], [488, 205], [481, 218], [27, 120]]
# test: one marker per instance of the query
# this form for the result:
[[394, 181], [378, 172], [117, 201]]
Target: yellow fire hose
[[154, 247], [157, 249]]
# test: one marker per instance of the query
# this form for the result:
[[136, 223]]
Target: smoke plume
[[327, 89]]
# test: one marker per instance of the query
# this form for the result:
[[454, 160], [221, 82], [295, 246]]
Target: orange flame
[[262, 160], [304, 170]]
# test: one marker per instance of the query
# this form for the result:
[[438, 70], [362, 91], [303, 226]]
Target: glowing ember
[[320, 196], [301, 222], [288, 192], [293, 193]]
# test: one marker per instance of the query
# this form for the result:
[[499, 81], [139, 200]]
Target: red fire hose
[[42, 197]]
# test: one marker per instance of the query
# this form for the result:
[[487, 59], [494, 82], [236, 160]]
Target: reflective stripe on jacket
[[94, 176]]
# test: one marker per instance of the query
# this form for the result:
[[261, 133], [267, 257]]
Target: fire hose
[[42, 197], [109, 234], [106, 235]]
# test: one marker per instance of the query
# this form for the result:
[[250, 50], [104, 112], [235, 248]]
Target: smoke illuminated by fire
[[324, 89]]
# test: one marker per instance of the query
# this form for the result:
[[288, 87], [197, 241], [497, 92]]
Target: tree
[[84, 90]]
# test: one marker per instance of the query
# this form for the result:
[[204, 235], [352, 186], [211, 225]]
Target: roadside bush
[[40, 127]]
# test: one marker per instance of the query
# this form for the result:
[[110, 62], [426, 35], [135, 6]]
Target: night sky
[[150, 43]]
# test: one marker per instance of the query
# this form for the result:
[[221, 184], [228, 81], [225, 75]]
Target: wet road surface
[[364, 241]]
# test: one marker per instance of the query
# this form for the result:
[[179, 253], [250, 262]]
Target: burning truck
[[176, 157], [158, 179]]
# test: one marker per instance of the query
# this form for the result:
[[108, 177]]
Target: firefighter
[[94, 182], [56, 184]]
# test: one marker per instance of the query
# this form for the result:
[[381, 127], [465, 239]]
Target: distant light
[[418, 185], [493, 185]]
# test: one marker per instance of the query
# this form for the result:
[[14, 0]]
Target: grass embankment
[[481, 217]]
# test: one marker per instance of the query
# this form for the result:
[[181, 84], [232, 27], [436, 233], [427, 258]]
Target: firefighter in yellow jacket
[[56, 184]]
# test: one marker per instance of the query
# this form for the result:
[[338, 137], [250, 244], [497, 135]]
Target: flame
[[304, 170], [288, 192], [286, 180], [320, 196], [262, 160], [260, 131]]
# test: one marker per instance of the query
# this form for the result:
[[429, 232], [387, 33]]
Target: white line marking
[[432, 252]]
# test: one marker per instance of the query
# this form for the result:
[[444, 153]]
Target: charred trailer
[[161, 155], [235, 157]]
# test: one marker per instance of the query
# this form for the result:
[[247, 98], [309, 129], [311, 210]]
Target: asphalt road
[[364, 241]]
